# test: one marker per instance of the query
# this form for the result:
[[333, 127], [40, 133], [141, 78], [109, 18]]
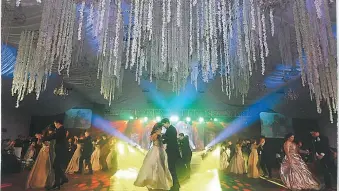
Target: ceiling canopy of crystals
[[176, 41]]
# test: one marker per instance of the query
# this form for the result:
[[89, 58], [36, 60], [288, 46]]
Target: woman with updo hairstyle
[[154, 173], [294, 172]]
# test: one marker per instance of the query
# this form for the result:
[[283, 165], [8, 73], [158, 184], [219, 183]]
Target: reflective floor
[[204, 177]]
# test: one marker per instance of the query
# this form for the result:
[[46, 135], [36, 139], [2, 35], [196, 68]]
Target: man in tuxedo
[[60, 153], [86, 154], [264, 159], [172, 150], [321, 153]]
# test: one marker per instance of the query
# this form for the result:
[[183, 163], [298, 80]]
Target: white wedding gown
[[154, 173]]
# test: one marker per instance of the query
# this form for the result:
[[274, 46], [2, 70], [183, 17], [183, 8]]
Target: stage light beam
[[188, 119]]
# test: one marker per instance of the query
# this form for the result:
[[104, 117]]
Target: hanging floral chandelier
[[178, 38], [291, 95], [40, 50], [61, 91]]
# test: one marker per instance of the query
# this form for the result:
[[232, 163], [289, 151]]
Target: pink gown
[[294, 172]]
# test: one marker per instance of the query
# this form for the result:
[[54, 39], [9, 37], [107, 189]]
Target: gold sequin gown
[[154, 172], [73, 165], [294, 172], [253, 170], [237, 164]]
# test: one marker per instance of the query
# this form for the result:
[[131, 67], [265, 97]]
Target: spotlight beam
[[105, 125]]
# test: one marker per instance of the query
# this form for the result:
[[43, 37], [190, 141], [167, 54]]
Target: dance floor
[[205, 177]]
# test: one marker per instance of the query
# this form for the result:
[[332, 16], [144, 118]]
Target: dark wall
[[302, 128], [38, 123]]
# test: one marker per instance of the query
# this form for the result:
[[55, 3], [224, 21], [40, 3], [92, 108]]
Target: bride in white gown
[[154, 173], [73, 165]]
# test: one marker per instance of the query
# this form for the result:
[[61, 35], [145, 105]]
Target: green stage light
[[201, 119], [158, 119], [174, 118], [131, 117], [145, 119], [188, 119], [215, 119]]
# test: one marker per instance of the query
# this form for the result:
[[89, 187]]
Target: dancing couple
[[158, 171], [48, 170]]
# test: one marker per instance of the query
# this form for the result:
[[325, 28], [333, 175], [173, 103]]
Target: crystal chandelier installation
[[174, 39], [291, 95], [61, 91]]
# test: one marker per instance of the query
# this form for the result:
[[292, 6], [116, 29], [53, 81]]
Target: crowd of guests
[[254, 159], [55, 153]]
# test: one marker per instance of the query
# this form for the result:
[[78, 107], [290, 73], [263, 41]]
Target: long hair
[[287, 136], [156, 127]]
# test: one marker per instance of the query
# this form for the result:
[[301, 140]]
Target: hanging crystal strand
[[191, 28], [135, 33], [327, 21], [213, 36], [272, 21], [253, 29], [263, 20], [225, 36], [318, 5], [230, 18], [150, 19], [198, 30], [246, 32], [239, 34], [206, 44], [163, 34], [81, 18], [91, 14], [261, 39], [169, 12], [299, 45], [140, 26], [117, 34], [305, 36], [129, 36]]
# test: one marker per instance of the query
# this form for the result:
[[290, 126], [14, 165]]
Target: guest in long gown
[[95, 158], [30, 153], [42, 173], [224, 156], [104, 151], [71, 149], [154, 173], [293, 170], [112, 157], [253, 170], [237, 164], [73, 165]]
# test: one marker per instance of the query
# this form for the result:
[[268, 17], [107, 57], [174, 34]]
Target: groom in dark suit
[[264, 158], [60, 153], [172, 150], [322, 153]]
